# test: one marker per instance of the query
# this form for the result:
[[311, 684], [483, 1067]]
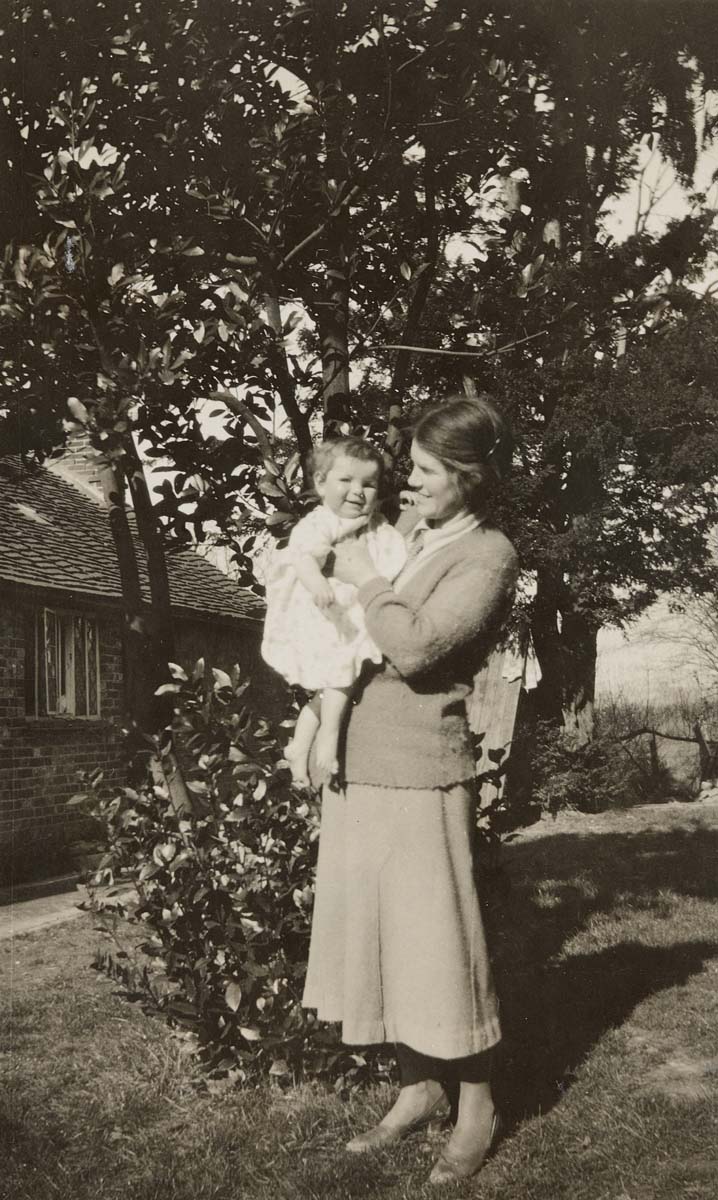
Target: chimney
[[76, 463]]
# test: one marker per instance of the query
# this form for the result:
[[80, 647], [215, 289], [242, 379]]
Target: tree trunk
[[285, 383], [334, 333], [332, 313], [578, 643], [165, 766], [140, 675], [417, 304], [565, 644], [145, 661], [565, 640], [151, 538]]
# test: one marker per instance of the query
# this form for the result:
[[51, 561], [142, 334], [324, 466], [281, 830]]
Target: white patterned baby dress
[[315, 647]]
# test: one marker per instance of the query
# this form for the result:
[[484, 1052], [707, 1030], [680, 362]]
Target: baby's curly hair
[[326, 453]]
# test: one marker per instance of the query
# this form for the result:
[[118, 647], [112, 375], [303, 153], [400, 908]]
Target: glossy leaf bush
[[225, 890]]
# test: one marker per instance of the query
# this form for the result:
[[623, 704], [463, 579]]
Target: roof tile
[[54, 536]]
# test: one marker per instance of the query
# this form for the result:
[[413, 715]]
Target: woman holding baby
[[398, 953]]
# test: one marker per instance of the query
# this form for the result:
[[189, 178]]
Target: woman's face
[[436, 493]]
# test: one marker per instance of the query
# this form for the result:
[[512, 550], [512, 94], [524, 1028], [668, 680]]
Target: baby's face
[[350, 488]]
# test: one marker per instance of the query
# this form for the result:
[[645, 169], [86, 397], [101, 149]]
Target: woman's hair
[[326, 453], [471, 438]]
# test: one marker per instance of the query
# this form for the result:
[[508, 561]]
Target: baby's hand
[[322, 594], [407, 499]]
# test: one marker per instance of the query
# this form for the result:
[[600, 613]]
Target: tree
[[600, 351], [339, 199], [127, 297], [213, 174]]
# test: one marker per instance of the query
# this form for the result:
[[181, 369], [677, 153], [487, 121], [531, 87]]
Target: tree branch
[[287, 391], [461, 353], [417, 303], [242, 410], [360, 345], [317, 233], [671, 737], [343, 204]]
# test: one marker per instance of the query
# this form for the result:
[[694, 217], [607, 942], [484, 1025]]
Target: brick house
[[61, 646]]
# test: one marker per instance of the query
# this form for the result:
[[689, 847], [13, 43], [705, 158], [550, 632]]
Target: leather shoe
[[453, 1168], [386, 1135]]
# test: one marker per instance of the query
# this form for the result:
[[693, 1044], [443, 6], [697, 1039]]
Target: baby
[[314, 631]]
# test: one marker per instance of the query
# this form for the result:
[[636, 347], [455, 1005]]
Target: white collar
[[434, 539], [461, 523]]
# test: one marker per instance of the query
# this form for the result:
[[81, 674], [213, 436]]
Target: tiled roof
[[53, 536]]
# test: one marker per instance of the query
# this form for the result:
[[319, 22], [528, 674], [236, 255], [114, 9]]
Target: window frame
[[58, 624]]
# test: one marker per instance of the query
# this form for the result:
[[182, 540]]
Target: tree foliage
[[263, 203], [598, 349]]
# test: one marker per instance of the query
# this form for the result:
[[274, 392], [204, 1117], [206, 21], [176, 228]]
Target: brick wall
[[40, 756]]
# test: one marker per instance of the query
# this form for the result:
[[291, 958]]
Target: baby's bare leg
[[335, 702], [297, 752]]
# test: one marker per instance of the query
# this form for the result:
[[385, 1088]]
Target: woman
[[397, 950]]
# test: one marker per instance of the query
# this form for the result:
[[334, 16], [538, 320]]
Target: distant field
[[643, 666]]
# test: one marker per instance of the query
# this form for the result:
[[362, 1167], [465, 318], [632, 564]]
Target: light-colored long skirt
[[398, 952]]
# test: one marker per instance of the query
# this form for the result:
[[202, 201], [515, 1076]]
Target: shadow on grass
[[556, 1004]]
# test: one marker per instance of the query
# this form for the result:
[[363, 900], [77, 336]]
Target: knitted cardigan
[[408, 726]]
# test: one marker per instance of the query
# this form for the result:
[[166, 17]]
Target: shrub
[[225, 890], [591, 777]]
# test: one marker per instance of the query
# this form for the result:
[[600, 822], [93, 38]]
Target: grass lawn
[[606, 949]]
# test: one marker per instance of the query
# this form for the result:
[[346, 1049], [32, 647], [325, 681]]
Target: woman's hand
[[352, 563]]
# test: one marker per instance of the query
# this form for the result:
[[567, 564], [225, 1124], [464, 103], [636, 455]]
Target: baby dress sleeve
[[315, 535]]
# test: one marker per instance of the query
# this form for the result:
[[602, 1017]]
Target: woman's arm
[[470, 599]]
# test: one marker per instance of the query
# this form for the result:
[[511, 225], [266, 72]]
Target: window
[[62, 676]]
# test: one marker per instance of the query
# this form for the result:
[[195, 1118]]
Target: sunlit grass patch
[[606, 951]]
